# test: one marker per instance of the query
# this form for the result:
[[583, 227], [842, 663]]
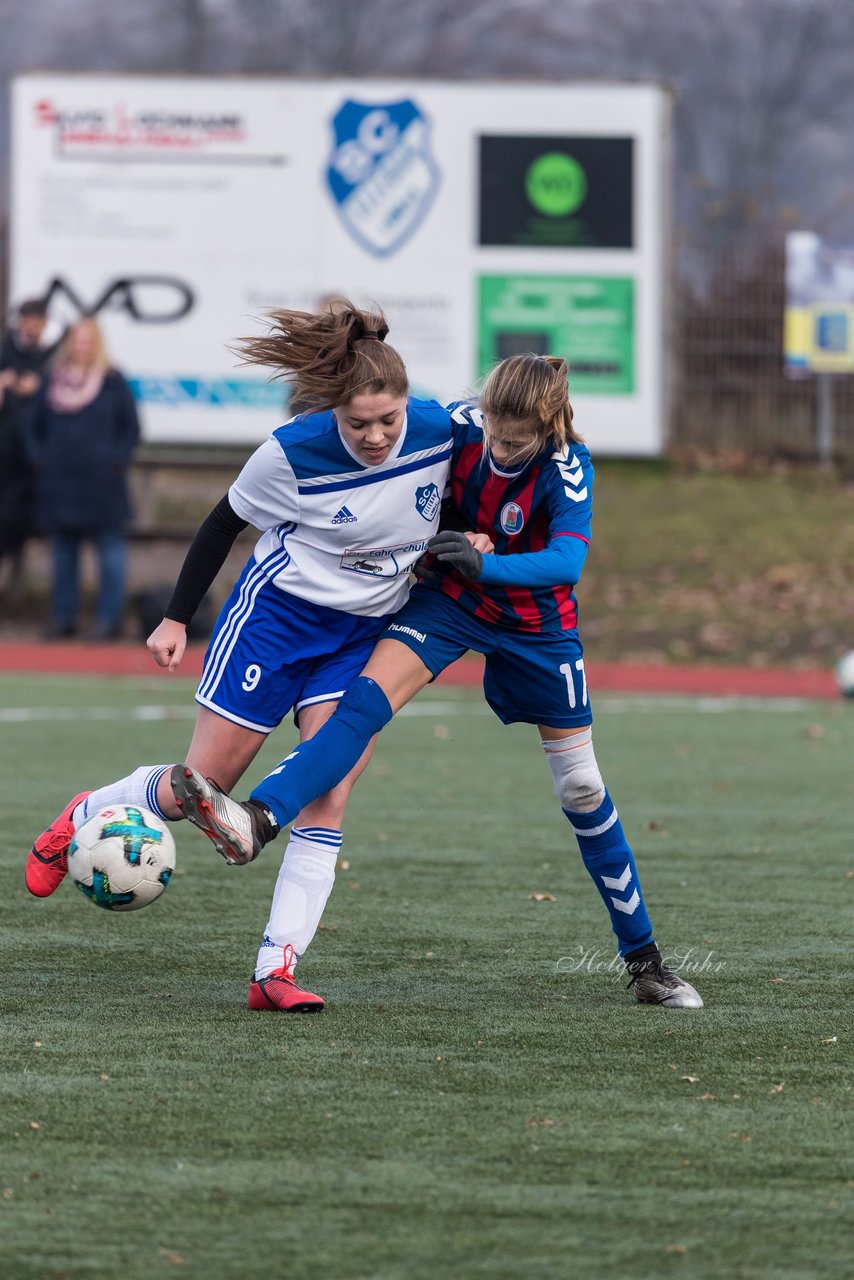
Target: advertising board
[[483, 218]]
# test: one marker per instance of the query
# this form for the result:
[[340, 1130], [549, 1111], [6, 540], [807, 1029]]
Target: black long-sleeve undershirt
[[203, 561]]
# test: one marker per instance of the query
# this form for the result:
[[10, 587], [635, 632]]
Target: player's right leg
[[218, 747]]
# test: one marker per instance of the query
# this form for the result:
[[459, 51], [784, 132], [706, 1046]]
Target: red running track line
[[616, 677]]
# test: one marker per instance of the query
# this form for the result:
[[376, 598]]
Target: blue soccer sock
[[316, 766], [608, 857]]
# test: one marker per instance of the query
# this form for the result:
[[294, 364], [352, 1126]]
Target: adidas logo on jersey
[[344, 517]]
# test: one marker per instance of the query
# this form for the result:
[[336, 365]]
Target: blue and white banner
[[180, 211]]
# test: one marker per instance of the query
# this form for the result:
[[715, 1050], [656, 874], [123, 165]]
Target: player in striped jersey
[[346, 499], [522, 477]]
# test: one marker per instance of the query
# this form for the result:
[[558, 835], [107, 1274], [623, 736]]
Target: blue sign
[[382, 174]]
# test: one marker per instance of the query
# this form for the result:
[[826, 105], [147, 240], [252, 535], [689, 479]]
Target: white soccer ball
[[122, 858], [845, 673]]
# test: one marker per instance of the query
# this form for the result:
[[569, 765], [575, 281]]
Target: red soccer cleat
[[47, 863], [279, 991]]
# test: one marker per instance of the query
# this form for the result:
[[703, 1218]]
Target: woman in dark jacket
[[84, 430]]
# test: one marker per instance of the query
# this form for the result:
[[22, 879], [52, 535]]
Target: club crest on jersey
[[512, 517], [382, 174], [427, 500]]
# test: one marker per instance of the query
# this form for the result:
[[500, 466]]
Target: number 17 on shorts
[[576, 683]]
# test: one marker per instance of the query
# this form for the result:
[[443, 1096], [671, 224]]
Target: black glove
[[455, 549]]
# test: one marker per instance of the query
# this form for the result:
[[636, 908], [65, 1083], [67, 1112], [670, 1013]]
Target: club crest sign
[[382, 174], [428, 501]]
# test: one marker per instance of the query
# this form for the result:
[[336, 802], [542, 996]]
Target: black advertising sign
[[548, 192]]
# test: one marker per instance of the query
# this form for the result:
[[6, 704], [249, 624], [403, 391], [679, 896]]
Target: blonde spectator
[[84, 430]]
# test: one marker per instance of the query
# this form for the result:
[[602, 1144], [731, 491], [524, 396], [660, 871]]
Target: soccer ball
[[845, 674], [122, 858]]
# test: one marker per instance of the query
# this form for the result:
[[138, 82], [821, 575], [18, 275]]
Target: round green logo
[[555, 184]]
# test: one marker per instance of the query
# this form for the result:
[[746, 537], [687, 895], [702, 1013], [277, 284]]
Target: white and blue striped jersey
[[339, 532]]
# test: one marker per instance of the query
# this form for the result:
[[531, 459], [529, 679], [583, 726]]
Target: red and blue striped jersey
[[539, 520]]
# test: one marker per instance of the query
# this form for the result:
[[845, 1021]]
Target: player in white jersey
[[346, 499]]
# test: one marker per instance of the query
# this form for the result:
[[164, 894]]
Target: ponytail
[[328, 357]]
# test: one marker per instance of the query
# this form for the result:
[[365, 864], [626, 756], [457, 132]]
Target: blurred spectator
[[16, 478], [84, 430], [25, 350], [31, 341]]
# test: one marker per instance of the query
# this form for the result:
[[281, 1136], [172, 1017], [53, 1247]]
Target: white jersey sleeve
[[265, 493]]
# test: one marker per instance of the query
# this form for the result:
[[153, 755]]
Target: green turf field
[[474, 1101]]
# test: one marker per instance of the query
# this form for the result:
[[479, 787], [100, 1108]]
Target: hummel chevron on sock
[[608, 857]]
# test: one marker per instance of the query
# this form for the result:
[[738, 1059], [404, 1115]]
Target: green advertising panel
[[589, 320]]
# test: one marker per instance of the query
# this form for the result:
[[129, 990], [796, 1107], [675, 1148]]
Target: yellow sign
[[818, 329]]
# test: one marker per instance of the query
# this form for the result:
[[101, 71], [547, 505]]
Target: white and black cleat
[[653, 983], [236, 830]]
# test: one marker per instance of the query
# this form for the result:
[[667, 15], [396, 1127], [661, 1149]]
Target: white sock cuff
[[557, 746], [138, 788], [151, 801]]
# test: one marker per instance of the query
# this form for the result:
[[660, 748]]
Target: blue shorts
[[271, 652], [530, 677]]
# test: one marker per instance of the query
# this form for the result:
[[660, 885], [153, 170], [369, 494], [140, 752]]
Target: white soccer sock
[[305, 882], [139, 788]]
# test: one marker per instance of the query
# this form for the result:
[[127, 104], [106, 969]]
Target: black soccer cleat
[[653, 983]]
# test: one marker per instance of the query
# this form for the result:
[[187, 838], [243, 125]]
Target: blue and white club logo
[[382, 173], [512, 517], [427, 501]]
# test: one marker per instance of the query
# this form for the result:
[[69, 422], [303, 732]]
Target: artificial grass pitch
[[481, 1097]]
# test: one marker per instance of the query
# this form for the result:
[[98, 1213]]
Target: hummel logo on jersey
[[344, 517], [572, 473], [467, 414]]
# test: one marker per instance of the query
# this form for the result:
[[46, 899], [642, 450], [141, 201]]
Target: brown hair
[[330, 356], [33, 307], [531, 392]]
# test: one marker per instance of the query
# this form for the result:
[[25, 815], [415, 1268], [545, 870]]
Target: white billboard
[[484, 218]]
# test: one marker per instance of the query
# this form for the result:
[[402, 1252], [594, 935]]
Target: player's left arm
[[569, 493]]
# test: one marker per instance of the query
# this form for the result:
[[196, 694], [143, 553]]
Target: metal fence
[[731, 397]]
